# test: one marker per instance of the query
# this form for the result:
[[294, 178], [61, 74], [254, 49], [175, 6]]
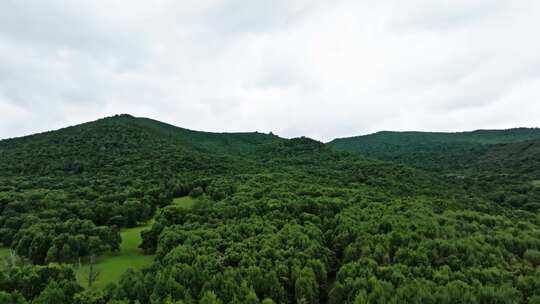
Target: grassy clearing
[[536, 183], [185, 202], [4, 252], [112, 265]]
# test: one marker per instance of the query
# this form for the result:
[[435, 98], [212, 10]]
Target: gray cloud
[[323, 69]]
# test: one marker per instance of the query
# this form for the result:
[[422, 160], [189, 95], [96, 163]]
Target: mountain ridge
[[457, 134], [140, 120]]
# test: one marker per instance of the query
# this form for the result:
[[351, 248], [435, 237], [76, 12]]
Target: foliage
[[446, 151], [275, 220]]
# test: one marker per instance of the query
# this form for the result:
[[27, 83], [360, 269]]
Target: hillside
[[500, 165], [438, 151], [114, 171], [520, 158], [230, 143], [272, 220]]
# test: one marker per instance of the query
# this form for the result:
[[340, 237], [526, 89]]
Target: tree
[[52, 294], [92, 274], [11, 298], [209, 297], [90, 296], [306, 288], [251, 298], [533, 256], [361, 298], [196, 192]]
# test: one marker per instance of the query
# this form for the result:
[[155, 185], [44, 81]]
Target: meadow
[[112, 265], [4, 252], [185, 202]]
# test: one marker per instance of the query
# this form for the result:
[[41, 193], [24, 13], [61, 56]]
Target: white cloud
[[323, 69]]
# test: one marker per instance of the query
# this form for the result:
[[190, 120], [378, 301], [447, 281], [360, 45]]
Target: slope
[[500, 165], [431, 150], [228, 143], [114, 172]]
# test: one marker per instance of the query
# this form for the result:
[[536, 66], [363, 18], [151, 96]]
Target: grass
[[4, 252], [111, 266], [536, 183], [184, 202]]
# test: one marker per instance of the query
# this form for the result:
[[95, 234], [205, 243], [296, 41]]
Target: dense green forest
[[447, 152], [405, 218], [499, 165]]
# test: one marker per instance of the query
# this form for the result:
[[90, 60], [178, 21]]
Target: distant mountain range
[[517, 150]]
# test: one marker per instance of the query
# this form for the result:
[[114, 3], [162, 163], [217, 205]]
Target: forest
[[256, 218]]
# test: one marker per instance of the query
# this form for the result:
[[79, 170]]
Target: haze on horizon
[[322, 69]]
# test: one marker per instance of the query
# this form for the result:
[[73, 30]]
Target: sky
[[322, 69]]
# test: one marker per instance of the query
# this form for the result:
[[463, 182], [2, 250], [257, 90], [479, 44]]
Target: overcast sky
[[322, 69]]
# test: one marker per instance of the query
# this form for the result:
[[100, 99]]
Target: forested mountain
[[112, 172], [500, 165], [228, 143], [446, 152], [520, 158], [275, 220]]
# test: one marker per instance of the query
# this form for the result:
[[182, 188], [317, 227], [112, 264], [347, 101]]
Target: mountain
[[270, 220], [118, 170], [519, 158], [500, 165], [216, 142], [439, 151], [111, 172], [112, 127]]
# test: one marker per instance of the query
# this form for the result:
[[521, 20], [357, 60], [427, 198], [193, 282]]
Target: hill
[[520, 158], [217, 142], [114, 171], [273, 221], [437, 151], [500, 165]]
